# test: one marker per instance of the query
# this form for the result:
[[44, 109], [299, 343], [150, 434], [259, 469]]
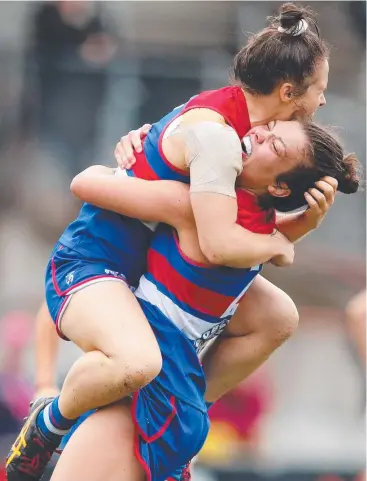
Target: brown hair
[[272, 57], [324, 156]]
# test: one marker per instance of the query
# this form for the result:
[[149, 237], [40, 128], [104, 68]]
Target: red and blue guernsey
[[199, 299], [122, 242], [186, 304]]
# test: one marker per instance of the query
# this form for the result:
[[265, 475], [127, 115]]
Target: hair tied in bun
[[295, 30]]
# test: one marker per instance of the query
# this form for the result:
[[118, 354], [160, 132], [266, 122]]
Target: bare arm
[[297, 225], [156, 201], [169, 202], [46, 351], [224, 242], [294, 226], [214, 155]]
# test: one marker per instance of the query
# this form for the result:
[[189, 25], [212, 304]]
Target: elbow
[[213, 251], [78, 186], [75, 185], [214, 258], [82, 181]]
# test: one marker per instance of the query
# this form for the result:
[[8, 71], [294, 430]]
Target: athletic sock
[[52, 423]]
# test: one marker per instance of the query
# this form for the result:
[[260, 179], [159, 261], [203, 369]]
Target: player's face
[[314, 97], [271, 150]]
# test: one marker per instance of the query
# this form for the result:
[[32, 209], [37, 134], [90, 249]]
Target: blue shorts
[[152, 451], [66, 273], [169, 414], [168, 432]]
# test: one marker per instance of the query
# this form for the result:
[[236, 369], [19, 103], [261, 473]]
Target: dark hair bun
[[350, 177], [290, 15]]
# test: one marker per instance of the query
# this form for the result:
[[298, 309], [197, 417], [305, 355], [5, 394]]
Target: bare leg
[[46, 350], [101, 449], [264, 320], [122, 354]]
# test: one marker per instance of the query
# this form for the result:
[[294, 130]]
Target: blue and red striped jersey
[[200, 299]]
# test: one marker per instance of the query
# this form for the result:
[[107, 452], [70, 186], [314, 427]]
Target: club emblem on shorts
[[69, 278]]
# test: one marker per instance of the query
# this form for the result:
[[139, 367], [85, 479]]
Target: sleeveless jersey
[[199, 299], [105, 236]]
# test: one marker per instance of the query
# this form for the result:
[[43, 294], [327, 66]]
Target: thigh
[[106, 316], [92, 306], [102, 449], [265, 307]]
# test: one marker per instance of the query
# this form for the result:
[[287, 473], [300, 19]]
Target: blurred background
[[75, 77]]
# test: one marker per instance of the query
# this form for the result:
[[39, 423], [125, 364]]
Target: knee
[[283, 318], [139, 370]]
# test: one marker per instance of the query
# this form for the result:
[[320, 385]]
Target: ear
[[286, 92], [279, 190]]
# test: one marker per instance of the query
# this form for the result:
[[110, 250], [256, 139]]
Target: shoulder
[[213, 130], [198, 114], [220, 138]]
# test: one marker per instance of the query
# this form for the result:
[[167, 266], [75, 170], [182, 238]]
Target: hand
[[320, 202], [128, 144], [287, 257]]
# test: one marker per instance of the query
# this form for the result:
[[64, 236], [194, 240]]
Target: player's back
[[152, 163], [101, 235]]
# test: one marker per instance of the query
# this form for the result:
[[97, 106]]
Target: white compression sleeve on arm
[[215, 157]]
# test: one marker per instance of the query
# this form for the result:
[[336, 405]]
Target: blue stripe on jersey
[[153, 159], [224, 280], [160, 167], [185, 307]]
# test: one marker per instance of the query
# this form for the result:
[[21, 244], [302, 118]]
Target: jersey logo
[[114, 273], [210, 334]]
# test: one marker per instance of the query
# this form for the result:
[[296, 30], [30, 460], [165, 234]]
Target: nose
[[322, 100], [261, 135]]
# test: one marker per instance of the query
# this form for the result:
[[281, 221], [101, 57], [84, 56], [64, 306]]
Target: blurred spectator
[[357, 12], [66, 79], [236, 420], [356, 324], [15, 391]]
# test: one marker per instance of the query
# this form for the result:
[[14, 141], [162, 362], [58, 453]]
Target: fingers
[[331, 181], [145, 129], [129, 144], [124, 152], [312, 203], [328, 190], [121, 156], [137, 136], [320, 199]]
